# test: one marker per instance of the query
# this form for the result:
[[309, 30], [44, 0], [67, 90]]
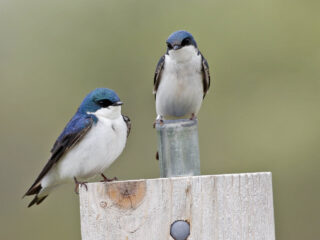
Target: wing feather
[[157, 74], [75, 130], [127, 120], [206, 75]]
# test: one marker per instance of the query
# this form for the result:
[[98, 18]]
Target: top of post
[[177, 123]]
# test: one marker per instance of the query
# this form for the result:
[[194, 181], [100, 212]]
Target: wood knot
[[127, 194], [103, 204]]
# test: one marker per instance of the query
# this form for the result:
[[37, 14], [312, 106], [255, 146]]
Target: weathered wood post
[[231, 206]]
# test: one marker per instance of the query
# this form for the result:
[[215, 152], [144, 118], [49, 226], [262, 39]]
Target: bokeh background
[[261, 114]]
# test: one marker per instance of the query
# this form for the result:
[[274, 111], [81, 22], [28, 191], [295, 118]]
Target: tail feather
[[37, 200], [35, 190]]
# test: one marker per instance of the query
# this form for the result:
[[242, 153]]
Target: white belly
[[180, 92], [99, 148]]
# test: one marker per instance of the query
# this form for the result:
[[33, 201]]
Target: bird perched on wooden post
[[181, 79], [91, 141]]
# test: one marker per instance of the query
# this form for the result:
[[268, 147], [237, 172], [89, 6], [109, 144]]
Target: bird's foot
[[193, 117], [76, 189], [105, 179], [159, 120]]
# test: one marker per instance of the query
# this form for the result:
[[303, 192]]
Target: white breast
[[180, 92], [99, 148]]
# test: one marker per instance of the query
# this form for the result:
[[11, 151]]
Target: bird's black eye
[[104, 103], [186, 42], [169, 45]]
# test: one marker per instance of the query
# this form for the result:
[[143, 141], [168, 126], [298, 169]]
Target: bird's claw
[[193, 116], [76, 189], [105, 179], [159, 121]]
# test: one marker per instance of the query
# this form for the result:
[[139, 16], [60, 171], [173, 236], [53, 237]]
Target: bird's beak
[[176, 47], [119, 103]]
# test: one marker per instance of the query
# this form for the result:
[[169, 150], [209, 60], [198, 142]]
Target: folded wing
[[75, 130]]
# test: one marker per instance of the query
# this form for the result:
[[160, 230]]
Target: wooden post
[[234, 206]]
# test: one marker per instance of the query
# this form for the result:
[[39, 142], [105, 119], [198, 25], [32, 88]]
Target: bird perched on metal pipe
[[91, 141], [181, 79]]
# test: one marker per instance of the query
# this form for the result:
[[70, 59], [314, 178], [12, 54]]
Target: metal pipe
[[178, 148]]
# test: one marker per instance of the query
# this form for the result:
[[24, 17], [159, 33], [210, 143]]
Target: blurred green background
[[262, 113]]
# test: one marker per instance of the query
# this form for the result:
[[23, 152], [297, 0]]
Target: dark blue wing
[[127, 120], [75, 130], [157, 74], [205, 75]]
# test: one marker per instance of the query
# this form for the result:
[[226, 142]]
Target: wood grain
[[233, 206]]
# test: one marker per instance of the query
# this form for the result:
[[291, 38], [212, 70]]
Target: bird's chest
[[182, 75], [180, 91], [97, 150], [109, 137]]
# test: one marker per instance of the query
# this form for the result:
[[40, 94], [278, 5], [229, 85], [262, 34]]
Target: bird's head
[[101, 102], [180, 39]]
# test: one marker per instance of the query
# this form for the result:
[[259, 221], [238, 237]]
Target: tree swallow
[[181, 79], [91, 141]]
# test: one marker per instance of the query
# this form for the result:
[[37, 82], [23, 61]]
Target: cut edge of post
[[177, 177]]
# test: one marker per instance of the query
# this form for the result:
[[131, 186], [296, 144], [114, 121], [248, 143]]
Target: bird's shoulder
[[74, 130]]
